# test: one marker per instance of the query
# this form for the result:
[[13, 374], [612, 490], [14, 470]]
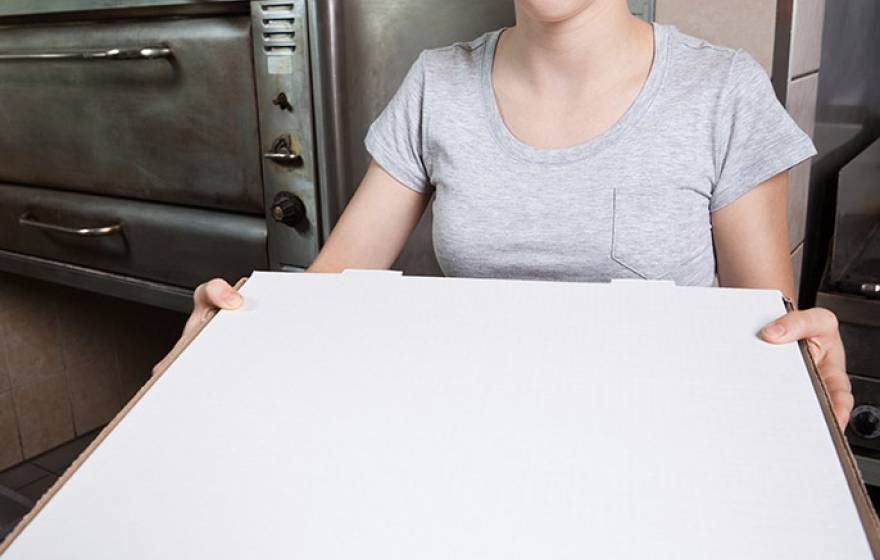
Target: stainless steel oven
[[851, 288], [147, 145]]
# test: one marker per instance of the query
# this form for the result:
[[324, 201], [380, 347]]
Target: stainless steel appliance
[[855, 256], [841, 266], [147, 145], [851, 288]]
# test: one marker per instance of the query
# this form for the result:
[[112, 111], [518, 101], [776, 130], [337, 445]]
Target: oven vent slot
[[276, 11], [279, 24], [279, 49], [278, 36], [276, 7]]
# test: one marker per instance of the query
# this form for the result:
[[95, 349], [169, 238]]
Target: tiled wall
[[749, 24], [802, 88], [753, 25], [69, 360]]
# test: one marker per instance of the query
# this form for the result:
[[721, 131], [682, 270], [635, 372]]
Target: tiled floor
[[22, 485]]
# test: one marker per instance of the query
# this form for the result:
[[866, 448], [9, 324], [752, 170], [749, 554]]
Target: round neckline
[[592, 146]]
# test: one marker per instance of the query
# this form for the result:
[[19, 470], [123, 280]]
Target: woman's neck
[[599, 43]]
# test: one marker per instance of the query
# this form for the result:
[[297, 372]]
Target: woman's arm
[[370, 233], [751, 239], [751, 247]]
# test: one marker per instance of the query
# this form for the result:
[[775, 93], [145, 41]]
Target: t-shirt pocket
[[656, 230]]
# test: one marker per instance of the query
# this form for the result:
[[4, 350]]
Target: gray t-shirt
[[634, 202]]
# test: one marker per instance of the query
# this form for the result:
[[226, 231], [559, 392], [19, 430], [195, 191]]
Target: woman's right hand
[[207, 299]]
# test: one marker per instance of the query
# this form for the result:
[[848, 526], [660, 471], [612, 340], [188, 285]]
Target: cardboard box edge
[[50, 493], [867, 515]]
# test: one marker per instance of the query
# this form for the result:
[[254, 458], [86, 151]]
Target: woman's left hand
[[819, 327]]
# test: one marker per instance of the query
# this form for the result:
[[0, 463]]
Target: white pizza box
[[370, 415]]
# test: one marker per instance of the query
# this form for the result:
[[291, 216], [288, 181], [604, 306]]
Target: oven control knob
[[865, 421], [289, 209]]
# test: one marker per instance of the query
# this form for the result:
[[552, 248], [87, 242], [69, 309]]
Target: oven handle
[[284, 158], [28, 219], [143, 53]]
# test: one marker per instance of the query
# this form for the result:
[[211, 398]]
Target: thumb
[[219, 294]]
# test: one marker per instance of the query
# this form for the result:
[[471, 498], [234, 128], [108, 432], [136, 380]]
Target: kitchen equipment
[[851, 288], [855, 256], [148, 145]]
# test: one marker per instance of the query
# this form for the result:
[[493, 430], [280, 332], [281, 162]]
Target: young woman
[[585, 144]]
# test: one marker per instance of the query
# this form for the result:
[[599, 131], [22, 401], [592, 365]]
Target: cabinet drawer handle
[[143, 53], [28, 219]]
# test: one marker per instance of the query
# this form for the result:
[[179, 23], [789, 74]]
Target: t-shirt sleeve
[[756, 137], [394, 140]]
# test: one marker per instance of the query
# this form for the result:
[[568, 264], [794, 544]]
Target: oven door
[[159, 109], [141, 242]]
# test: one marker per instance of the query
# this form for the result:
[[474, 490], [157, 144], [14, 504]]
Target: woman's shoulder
[[463, 48], [703, 63], [698, 48], [460, 56]]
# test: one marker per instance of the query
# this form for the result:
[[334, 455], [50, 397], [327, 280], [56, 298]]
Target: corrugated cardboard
[[867, 514], [276, 525]]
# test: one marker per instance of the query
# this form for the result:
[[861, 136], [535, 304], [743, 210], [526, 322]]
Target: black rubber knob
[[289, 209], [865, 421]]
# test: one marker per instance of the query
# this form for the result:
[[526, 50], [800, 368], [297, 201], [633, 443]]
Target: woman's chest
[[623, 215]]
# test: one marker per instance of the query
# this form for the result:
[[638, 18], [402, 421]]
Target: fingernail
[[775, 330], [232, 300]]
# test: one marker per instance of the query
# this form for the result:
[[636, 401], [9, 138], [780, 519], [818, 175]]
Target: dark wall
[[847, 120], [849, 85]]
